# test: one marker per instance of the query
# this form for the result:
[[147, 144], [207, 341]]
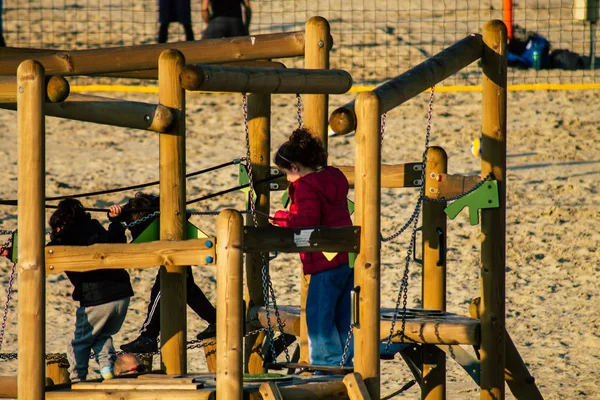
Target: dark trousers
[[220, 27], [163, 32], [195, 299]]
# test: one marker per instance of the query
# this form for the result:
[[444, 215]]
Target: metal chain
[[268, 291], [382, 129], [192, 344], [347, 346], [142, 219], [458, 196], [10, 285], [403, 292], [299, 109]]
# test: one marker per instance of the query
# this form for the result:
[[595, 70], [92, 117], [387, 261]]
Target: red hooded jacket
[[318, 199]]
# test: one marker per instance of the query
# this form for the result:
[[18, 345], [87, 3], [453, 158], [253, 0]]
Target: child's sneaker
[[141, 345], [107, 373]]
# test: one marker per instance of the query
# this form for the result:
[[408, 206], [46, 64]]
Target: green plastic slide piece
[[244, 179], [15, 247], [485, 196], [152, 232], [285, 198]]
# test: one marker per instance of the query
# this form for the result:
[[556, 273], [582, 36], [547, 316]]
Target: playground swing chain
[[6, 245], [268, 291]]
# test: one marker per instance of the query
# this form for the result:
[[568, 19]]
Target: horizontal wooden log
[[107, 111], [116, 384], [153, 73], [139, 394], [57, 89], [453, 185], [435, 329], [8, 387], [392, 176], [138, 255], [331, 390], [142, 57], [305, 240], [414, 81], [217, 78], [290, 317]]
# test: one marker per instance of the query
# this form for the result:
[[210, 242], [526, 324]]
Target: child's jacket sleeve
[[305, 209]]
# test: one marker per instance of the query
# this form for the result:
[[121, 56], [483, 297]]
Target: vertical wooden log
[[230, 277], [259, 118], [58, 372], [367, 192], [316, 56], [32, 269], [434, 271], [172, 214], [493, 220]]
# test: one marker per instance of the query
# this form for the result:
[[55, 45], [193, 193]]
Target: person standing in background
[[2, 42], [224, 18], [174, 11]]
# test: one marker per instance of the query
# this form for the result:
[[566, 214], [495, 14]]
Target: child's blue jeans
[[328, 316]]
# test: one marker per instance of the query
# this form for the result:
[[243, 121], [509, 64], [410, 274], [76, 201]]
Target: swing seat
[[311, 368]]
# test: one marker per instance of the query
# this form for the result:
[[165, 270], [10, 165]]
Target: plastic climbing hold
[[476, 148], [485, 196]]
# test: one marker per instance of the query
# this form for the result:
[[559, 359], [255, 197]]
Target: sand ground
[[553, 218]]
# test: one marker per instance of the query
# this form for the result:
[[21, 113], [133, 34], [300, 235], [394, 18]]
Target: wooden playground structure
[[182, 66]]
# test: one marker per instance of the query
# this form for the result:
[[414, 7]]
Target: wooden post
[[493, 220], [367, 189], [259, 125], [519, 380], [57, 371], [316, 56], [31, 225], [230, 257], [434, 271], [172, 214]]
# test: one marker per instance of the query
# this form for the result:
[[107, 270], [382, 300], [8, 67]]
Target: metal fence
[[374, 40]]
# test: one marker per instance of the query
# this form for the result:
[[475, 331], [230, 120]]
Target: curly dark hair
[[69, 213], [302, 148], [139, 206]]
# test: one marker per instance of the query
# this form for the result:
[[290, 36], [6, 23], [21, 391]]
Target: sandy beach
[[553, 219], [553, 212]]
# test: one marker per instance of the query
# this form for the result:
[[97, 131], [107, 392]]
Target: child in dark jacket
[[103, 294], [138, 210], [318, 195]]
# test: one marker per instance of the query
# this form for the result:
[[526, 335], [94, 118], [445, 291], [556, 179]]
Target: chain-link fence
[[373, 40]]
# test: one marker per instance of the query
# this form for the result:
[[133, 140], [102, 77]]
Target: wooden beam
[[452, 185], [451, 329], [392, 176], [202, 394], [151, 74], [8, 387], [173, 322], [414, 81], [493, 220], [290, 317], [331, 390], [107, 111], [56, 89], [357, 390], [141, 57], [140, 385], [32, 280], [230, 309], [433, 287], [259, 129], [367, 191], [132, 255], [301, 240], [270, 391], [216, 78], [316, 57]]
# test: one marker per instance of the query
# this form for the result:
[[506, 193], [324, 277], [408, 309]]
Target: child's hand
[[115, 211]]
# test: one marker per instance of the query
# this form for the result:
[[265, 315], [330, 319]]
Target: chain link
[[299, 109], [6, 245], [268, 291], [403, 292], [142, 219], [382, 129]]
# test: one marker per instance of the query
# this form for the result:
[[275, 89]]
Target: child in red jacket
[[318, 195]]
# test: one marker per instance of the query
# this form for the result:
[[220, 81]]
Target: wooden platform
[[197, 387], [422, 326]]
